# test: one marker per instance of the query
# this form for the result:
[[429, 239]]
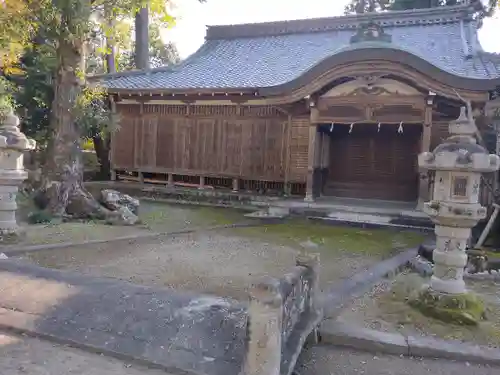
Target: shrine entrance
[[372, 161]]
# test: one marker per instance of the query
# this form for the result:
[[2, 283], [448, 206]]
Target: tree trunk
[[142, 39], [62, 192], [110, 42], [102, 147]]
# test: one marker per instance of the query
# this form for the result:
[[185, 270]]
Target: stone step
[[375, 220]]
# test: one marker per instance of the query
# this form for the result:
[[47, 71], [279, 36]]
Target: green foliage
[[35, 93], [92, 113], [420, 4], [87, 145], [40, 217], [364, 6], [33, 76], [161, 53], [6, 100]]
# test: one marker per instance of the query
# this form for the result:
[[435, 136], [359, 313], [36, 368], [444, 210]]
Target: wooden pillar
[[318, 151], [288, 185], [325, 159], [113, 173], [311, 158], [425, 144], [139, 142], [496, 126], [236, 185], [202, 183], [170, 180]]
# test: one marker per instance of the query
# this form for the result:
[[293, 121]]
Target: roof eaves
[[163, 69], [221, 91]]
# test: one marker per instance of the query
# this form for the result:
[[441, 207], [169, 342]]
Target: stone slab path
[[178, 332], [21, 355], [327, 360]]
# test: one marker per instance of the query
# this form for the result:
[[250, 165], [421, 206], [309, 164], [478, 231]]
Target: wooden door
[[374, 164]]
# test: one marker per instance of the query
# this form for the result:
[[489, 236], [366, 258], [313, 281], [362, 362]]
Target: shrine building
[[336, 107]]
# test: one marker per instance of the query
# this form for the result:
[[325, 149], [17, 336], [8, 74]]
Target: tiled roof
[[272, 54]]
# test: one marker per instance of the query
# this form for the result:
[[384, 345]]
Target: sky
[[193, 17]]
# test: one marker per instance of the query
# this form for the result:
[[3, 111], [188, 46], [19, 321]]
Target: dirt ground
[[205, 262], [385, 309], [227, 262]]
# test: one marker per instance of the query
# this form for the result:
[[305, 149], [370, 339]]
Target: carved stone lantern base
[[461, 309], [12, 236]]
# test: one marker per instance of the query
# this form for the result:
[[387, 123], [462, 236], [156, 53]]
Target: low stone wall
[[210, 197], [283, 315]]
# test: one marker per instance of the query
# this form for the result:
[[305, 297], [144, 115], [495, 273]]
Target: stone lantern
[[455, 209], [13, 144]]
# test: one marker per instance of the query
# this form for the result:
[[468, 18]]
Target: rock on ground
[[20, 355], [113, 200], [326, 360]]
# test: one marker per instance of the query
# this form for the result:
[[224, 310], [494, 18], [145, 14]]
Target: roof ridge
[[443, 14]]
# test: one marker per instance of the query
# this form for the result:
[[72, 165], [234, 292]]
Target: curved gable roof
[[267, 55]]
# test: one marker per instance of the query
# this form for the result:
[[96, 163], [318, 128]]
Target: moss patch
[[462, 309], [386, 308], [373, 242], [156, 217], [163, 217]]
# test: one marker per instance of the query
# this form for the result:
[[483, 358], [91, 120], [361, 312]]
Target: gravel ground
[[323, 360], [21, 355], [208, 262]]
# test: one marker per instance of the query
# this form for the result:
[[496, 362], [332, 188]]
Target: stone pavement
[[179, 332], [327, 360], [21, 355]]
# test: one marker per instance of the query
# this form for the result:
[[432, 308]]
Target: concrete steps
[[356, 215]]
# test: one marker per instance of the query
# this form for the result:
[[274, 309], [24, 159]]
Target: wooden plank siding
[[215, 141]]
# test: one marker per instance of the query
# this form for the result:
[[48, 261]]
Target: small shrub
[[39, 217]]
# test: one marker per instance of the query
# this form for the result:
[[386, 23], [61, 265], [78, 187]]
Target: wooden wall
[[253, 143]]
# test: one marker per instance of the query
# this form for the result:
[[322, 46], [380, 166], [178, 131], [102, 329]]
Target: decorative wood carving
[[373, 86], [372, 98], [370, 32]]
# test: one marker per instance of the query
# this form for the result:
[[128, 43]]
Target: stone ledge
[[348, 335], [437, 348], [342, 334]]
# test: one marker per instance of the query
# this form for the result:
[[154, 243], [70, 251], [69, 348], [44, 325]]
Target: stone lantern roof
[[10, 135], [460, 152]]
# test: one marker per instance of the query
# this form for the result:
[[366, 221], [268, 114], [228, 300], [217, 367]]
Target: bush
[[88, 145], [39, 217]]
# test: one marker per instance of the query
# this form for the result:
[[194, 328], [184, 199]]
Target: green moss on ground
[[462, 309], [163, 217], [374, 242], [154, 216]]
